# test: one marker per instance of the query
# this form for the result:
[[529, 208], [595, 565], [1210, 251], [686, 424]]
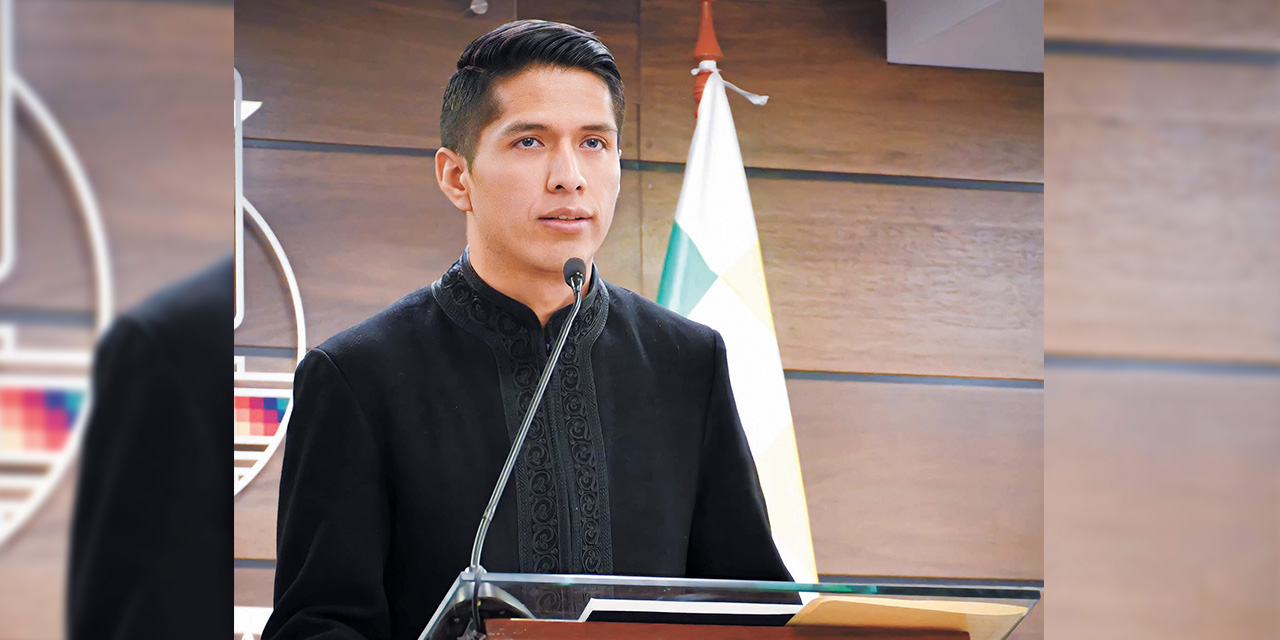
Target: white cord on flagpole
[[710, 65]]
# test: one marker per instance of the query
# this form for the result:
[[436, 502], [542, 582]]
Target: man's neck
[[544, 292]]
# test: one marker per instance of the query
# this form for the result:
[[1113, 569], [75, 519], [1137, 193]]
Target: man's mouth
[[566, 220], [567, 213]]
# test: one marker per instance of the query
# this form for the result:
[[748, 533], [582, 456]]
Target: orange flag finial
[[707, 48]]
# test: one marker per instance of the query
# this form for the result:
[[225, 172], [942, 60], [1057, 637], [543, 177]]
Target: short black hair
[[468, 99]]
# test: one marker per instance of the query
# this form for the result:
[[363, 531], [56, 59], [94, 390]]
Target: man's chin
[[553, 258]]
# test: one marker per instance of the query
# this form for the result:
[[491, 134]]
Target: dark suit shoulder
[[186, 319], [655, 323], [199, 299], [385, 334], [180, 330], [378, 356]]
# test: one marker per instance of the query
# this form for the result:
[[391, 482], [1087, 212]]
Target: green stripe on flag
[[685, 275]]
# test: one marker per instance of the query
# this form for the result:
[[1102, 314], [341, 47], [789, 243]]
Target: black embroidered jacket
[[635, 464]]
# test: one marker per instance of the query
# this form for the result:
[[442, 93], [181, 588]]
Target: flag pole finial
[[707, 48]]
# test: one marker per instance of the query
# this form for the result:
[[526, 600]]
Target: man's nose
[[565, 174]]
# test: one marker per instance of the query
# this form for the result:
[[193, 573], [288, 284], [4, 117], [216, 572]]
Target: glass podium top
[[597, 597]]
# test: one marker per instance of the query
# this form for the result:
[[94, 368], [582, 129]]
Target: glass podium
[[522, 605]]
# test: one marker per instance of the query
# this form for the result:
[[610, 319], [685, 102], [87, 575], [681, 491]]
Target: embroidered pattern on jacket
[[561, 478]]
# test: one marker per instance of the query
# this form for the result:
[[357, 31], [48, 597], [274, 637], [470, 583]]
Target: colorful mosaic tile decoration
[[37, 419], [258, 416]]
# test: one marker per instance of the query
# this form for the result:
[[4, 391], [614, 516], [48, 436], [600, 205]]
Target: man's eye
[[594, 143], [527, 143]]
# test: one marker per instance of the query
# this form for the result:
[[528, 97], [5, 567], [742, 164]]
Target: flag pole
[[707, 48]]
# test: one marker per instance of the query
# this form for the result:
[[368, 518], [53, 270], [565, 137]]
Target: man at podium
[[635, 462]]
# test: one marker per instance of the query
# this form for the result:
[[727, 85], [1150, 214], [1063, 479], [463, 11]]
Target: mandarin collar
[[521, 311]]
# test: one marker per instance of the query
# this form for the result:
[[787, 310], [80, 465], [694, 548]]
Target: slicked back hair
[[469, 104]]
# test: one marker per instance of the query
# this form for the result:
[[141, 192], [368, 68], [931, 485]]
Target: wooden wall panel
[[835, 103], [1244, 24], [1164, 503], [1163, 241], [1161, 487], [922, 479], [362, 230], [149, 133], [889, 279], [148, 118], [254, 535], [254, 586], [375, 73], [268, 309], [350, 72], [53, 269]]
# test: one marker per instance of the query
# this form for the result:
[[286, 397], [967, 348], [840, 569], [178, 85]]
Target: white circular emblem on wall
[[263, 399], [44, 392]]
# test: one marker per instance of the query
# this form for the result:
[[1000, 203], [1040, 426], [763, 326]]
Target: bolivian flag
[[714, 275]]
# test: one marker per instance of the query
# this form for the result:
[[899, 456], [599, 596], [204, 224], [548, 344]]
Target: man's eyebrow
[[600, 128], [524, 126]]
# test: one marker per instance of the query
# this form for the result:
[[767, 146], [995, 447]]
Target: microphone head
[[575, 269]]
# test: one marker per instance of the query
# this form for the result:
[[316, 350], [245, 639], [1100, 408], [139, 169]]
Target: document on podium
[[981, 620], [746, 614]]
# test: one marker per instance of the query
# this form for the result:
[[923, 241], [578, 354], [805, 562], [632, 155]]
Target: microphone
[[575, 275]]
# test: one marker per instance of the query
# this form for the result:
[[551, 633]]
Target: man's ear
[[451, 173]]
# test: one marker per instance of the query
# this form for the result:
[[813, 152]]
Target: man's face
[[546, 173]]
